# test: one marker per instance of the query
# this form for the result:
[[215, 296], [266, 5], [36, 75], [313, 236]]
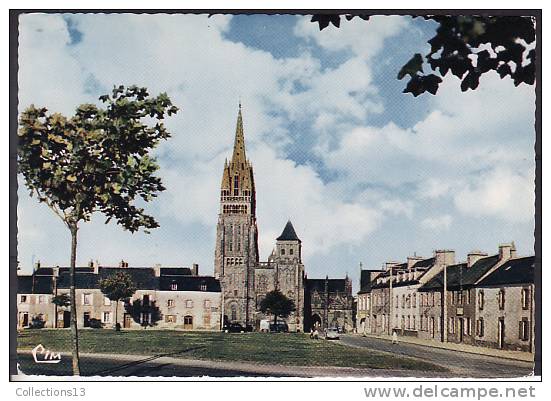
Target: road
[[461, 364]]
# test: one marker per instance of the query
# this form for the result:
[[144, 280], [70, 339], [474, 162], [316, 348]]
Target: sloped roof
[[460, 275], [24, 284], [189, 283], [333, 284], [175, 271], [366, 280], [288, 233], [143, 277], [515, 271]]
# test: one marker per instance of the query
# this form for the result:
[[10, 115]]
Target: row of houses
[[165, 297], [488, 300]]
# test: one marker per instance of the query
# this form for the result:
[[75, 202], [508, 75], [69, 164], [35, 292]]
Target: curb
[[449, 349]]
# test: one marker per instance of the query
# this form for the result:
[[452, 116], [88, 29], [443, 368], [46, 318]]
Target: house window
[[480, 300], [106, 301], [106, 317], [480, 327], [451, 325], [525, 298], [170, 303], [206, 320], [87, 299], [414, 300], [174, 286], [145, 318], [501, 299], [170, 318], [188, 321], [41, 299], [282, 251], [523, 332], [291, 251], [414, 323], [207, 303], [189, 303], [468, 296], [467, 326], [23, 299]]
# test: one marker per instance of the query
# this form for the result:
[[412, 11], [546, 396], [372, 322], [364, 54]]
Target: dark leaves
[[412, 67], [324, 19], [97, 160], [419, 84]]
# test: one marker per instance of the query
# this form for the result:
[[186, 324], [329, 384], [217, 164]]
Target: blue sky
[[366, 173]]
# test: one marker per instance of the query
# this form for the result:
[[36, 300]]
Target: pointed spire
[[288, 233], [239, 156]]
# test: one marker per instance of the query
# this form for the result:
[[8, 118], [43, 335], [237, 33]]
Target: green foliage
[[98, 159], [277, 304], [460, 46], [62, 300], [118, 286], [137, 309]]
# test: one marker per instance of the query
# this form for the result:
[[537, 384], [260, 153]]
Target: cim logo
[[46, 356]]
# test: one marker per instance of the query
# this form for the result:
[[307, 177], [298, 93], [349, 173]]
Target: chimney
[[507, 251], [412, 260], [444, 257], [474, 256], [195, 269], [157, 269], [37, 265]]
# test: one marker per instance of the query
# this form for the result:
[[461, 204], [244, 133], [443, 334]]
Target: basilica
[[244, 280]]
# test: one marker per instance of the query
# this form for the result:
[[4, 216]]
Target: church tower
[[236, 254]]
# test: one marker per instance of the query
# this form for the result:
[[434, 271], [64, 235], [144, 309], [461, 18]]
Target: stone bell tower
[[236, 254]]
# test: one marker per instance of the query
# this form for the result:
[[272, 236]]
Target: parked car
[[234, 328], [279, 327], [332, 333]]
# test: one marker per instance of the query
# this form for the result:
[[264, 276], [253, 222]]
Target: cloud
[[437, 223], [501, 193]]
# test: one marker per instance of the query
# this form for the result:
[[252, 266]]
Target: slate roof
[[461, 276], [24, 284], [366, 281], [515, 271], [288, 233], [189, 283], [175, 271], [424, 263], [333, 284]]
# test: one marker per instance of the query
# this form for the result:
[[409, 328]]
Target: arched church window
[[236, 185], [233, 312]]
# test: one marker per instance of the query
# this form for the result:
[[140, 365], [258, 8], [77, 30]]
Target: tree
[[117, 287], [95, 161], [277, 304], [144, 312], [60, 301], [468, 47]]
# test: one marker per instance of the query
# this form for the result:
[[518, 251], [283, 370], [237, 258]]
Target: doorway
[[66, 319], [24, 319], [461, 328], [127, 320], [501, 333], [86, 319], [188, 322]]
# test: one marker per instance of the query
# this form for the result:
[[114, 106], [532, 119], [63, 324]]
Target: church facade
[[243, 278]]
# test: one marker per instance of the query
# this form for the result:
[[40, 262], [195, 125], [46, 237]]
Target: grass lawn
[[277, 348]]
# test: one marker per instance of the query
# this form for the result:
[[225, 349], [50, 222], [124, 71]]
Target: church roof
[[288, 233]]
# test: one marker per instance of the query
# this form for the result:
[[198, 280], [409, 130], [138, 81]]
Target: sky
[[365, 172]]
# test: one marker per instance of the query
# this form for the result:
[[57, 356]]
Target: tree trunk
[[275, 321], [74, 328], [117, 315]]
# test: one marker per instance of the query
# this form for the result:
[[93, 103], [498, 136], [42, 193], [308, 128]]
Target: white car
[[332, 334]]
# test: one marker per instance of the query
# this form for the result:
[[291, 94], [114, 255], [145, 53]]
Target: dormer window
[[203, 287], [174, 286]]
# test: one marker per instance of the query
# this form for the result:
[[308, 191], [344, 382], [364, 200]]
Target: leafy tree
[[138, 308], [468, 47], [61, 301], [95, 161], [117, 287], [277, 304]]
